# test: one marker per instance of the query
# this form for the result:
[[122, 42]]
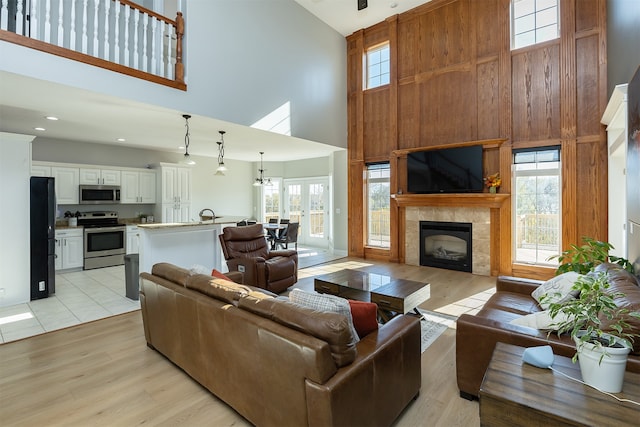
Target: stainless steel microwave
[[99, 194]]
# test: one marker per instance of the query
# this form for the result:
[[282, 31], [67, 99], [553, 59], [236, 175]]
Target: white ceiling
[[345, 18], [25, 103]]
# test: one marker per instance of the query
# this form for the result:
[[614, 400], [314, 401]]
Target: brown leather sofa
[[476, 335], [276, 363], [246, 248]]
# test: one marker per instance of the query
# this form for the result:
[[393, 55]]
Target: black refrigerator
[[43, 221]]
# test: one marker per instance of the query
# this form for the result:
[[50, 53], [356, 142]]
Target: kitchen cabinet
[[174, 186], [133, 239], [92, 176], [69, 248], [40, 170], [67, 185], [138, 187]]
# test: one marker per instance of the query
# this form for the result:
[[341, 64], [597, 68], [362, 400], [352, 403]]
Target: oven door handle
[[103, 229]]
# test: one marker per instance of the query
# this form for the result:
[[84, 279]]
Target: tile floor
[[83, 296]]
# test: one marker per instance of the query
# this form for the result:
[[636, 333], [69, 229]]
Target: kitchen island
[[183, 244]]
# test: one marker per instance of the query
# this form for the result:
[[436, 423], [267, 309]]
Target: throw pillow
[[219, 275], [324, 302], [556, 290], [540, 320], [365, 317]]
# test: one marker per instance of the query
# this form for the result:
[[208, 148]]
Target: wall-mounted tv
[[448, 170]]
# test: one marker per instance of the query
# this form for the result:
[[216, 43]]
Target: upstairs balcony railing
[[115, 34]]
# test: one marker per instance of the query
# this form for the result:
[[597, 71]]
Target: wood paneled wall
[[455, 79]]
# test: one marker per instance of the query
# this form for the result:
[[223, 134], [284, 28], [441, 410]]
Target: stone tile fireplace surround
[[480, 217]]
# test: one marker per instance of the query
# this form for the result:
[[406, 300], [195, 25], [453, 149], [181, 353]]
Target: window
[[533, 21], [378, 196], [377, 66], [536, 199], [271, 200]]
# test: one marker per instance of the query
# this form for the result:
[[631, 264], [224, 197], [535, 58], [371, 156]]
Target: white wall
[[15, 168], [243, 59]]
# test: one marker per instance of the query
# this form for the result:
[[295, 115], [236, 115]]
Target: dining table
[[273, 230]]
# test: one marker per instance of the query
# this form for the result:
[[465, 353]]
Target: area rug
[[433, 325]]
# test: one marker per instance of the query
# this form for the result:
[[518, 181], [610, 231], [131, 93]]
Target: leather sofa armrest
[[253, 269], [390, 357], [282, 252], [518, 285], [235, 276]]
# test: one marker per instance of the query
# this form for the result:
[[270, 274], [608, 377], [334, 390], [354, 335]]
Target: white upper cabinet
[[40, 170], [138, 187], [99, 176], [67, 182]]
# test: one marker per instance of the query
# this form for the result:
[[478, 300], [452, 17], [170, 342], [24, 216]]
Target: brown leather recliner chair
[[247, 247]]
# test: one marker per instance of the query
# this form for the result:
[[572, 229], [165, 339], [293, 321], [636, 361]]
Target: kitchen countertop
[[217, 221]]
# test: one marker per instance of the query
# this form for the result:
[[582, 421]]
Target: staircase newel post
[[179, 35]]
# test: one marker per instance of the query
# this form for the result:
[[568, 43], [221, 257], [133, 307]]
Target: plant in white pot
[[602, 353]]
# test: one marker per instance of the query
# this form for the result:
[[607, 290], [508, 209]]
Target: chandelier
[[261, 180], [221, 167], [187, 159]]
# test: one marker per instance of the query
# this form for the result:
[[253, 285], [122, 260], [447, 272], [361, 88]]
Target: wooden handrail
[[147, 11]]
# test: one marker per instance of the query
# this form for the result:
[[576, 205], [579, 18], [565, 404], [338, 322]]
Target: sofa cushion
[[557, 289], [324, 302], [332, 328], [512, 302], [223, 290], [365, 317]]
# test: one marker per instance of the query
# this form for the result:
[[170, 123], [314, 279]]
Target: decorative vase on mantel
[[493, 190]]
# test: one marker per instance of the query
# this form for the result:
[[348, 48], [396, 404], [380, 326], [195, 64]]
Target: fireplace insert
[[446, 245]]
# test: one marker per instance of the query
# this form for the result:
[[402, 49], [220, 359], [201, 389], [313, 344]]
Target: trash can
[[132, 281]]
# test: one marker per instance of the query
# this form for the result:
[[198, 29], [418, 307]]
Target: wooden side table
[[517, 394]]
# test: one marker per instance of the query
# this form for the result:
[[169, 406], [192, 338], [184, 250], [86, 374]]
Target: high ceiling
[[25, 102]]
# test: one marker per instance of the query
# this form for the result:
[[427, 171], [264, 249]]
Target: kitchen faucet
[[213, 215]]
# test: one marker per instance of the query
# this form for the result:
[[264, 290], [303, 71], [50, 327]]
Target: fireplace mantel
[[470, 200]]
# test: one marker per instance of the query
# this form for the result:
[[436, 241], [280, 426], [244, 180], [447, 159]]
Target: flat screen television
[[448, 170]]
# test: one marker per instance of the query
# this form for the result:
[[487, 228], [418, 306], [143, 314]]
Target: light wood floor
[[102, 373]]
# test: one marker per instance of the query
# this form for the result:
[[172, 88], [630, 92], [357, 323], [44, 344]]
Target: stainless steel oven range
[[104, 239]]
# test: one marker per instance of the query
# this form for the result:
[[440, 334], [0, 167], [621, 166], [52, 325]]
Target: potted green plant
[[602, 353], [582, 259]]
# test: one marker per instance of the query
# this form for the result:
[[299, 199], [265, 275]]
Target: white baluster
[[85, 19], [96, 47], [136, 19], [72, 29], [116, 34], [145, 23], [34, 29], [160, 38], [60, 26], [4, 16], [127, 13], [107, 24], [19, 18], [47, 22], [170, 69], [154, 25]]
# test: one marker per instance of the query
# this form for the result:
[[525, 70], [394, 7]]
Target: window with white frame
[[533, 21], [271, 200], [377, 66], [378, 205], [536, 195]]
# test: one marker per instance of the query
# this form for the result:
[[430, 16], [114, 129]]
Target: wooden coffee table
[[514, 393], [393, 296]]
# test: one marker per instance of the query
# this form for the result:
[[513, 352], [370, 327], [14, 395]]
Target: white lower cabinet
[[133, 239], [69, 248]]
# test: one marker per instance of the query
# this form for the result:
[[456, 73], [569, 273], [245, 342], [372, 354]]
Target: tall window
[[378, 66], [536, 201], [533, 21], [378, 196], [271, 200]]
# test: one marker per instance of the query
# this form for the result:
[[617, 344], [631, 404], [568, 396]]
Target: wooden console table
[[517, 394]]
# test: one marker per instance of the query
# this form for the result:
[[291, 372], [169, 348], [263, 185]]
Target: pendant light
[[187, 159], [261, 180], [221, 167]]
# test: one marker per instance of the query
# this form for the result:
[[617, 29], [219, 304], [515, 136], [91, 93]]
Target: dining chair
[[273, 220], [290, 235]]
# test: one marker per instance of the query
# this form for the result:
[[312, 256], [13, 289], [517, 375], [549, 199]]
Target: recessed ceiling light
[[51, 118], [121, 140], [40, 129]]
